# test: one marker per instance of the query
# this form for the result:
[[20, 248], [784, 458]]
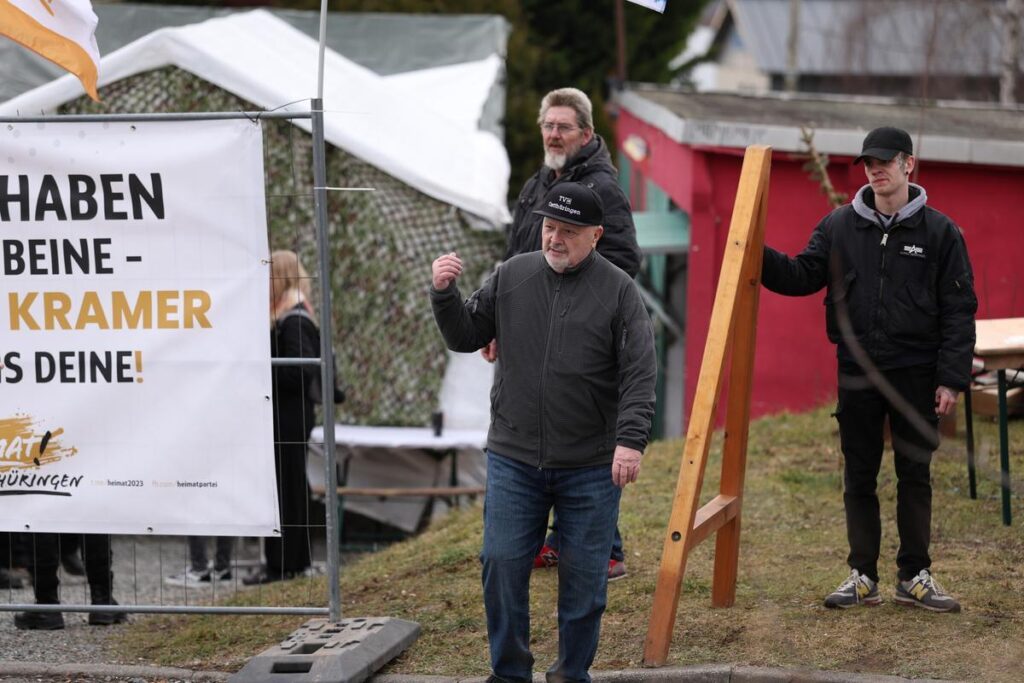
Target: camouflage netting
[[389, 354]]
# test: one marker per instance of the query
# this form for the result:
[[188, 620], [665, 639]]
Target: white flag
[[656, 5], [62, 31]]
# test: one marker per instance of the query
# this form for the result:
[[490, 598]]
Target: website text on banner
[[134, 329], [63, 32]]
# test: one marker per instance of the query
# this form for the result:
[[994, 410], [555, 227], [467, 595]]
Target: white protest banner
[[134, 329], [656, 5]]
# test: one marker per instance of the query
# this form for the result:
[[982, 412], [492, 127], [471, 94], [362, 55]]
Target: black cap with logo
[[572, 203], [884, 143]]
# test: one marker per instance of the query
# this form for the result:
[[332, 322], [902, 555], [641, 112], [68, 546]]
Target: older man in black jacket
[[571, 413], [900, 308]]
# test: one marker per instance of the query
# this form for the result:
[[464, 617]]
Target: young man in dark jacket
[[571, 412], [900, 308], [574, 153]]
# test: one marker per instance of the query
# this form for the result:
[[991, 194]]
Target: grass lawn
[[793, 553]]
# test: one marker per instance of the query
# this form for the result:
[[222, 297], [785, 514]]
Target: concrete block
[[320, 651]]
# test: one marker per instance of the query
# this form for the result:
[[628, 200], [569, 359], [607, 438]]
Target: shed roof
[[942, 131], [428, 142], [875, 37]]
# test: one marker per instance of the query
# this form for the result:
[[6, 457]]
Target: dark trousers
[[222, 553], [44, 551], [290, 553], [861, 414]]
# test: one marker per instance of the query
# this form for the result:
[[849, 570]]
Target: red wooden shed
[[680, 156]]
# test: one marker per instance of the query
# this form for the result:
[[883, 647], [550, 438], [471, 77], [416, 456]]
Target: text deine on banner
[[62, 32], [135, 367]]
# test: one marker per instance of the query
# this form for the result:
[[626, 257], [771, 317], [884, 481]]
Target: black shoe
[[261, 577], [8, 580], [72, 564], [39, 621], [107, 618]]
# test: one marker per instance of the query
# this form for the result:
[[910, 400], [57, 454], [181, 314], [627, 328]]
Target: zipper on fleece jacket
[[881, 272], [544, 372], [881, 286]]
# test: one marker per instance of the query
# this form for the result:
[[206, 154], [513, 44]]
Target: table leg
[[453, 479], [346, 459], [972, 479], [1004, 449]]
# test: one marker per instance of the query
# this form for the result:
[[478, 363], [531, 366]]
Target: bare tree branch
[[816, 167]]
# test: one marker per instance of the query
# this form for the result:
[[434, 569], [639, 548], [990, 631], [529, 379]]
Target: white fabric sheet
[[399, 127]]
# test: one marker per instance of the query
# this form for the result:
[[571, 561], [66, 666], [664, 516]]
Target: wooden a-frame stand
[[733, 324]]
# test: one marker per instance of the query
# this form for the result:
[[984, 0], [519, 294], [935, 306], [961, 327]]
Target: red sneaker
[[616, 570], [547, 557]]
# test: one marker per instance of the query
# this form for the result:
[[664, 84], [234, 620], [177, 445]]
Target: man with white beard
[[574, 153]]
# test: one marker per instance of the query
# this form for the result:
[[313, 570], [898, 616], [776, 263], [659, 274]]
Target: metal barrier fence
[[142, 565]]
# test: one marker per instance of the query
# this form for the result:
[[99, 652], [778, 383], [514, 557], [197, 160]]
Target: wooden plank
[[415, 491], [373, 492], [747, 210], [1002, 361], [734, 449], [718, 512]]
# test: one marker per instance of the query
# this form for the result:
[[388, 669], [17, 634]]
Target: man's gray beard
[[557, 267], [556, 162]]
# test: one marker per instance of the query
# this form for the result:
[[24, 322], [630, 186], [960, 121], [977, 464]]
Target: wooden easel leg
[[727, 557], [737, 423]]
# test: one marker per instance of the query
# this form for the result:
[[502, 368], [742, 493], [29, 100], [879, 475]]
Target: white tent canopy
[[419, 127]]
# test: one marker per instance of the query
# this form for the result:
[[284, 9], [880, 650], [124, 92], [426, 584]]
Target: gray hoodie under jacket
[[576, 367]]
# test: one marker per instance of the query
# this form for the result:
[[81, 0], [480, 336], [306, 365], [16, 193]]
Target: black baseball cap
[[884, 143], [572, 203]]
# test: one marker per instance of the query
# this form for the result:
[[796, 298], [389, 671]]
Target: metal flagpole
[[326, 328]]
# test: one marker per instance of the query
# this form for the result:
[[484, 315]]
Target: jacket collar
[[594, 153], [909, 216]]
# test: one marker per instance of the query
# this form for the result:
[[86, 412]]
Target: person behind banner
[[900, 308], [199, 573], [45, 559], [293, 334], [571, 408], [7, 562]]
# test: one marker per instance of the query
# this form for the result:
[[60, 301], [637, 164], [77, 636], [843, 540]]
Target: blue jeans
[[516, 506]]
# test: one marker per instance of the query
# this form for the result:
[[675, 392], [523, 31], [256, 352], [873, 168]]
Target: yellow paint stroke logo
[[24, 445]]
